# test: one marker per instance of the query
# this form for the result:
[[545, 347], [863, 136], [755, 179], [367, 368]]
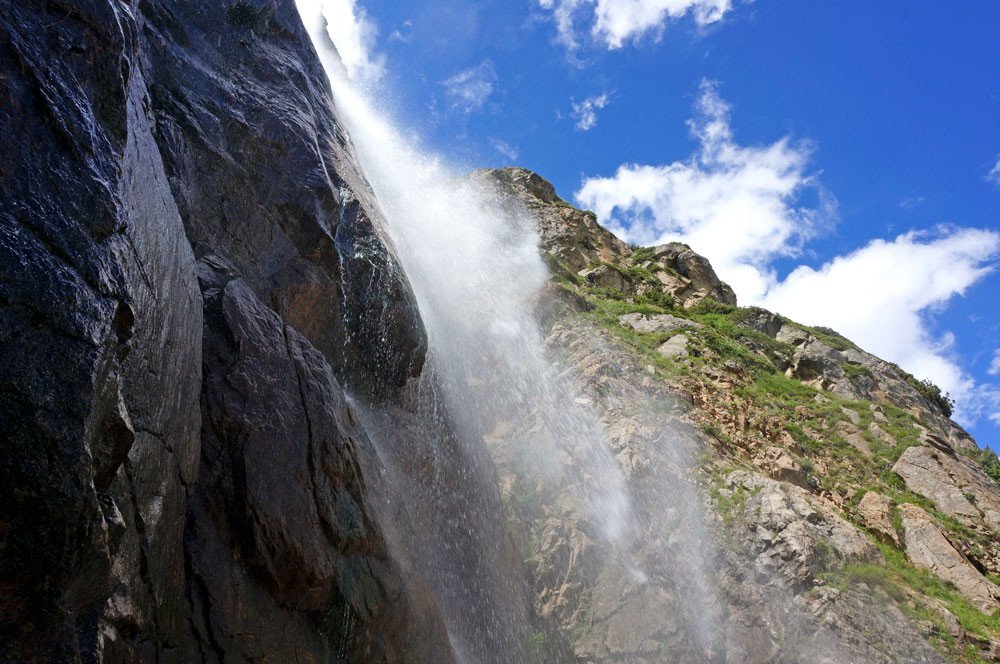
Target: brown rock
[[875, 511], [779, 465]]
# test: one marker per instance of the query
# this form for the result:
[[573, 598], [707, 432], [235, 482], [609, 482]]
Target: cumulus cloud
[[351, 31], [882, 294], [742, 207], [469, 89], [994, 174], [585, 112], [736, 204], [612, 23]]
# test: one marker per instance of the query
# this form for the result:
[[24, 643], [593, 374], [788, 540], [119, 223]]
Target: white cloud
[[994, 174], [505, 149], [612, 23], [585, 112], [881, 295], [736, 204], [469, 89], [351, 31], [741, 206], [983, 401], [994, 369]]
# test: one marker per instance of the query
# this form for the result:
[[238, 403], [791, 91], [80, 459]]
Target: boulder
[[607, 277], [763, 321], [675, 346], [702, 281], [780, 465]]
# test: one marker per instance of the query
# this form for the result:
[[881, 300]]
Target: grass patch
[[897, 574], [856, 370]]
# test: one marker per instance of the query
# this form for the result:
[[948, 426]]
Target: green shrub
[[933, 393]]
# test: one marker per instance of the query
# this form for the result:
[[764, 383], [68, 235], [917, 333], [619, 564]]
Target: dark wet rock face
[[180, 465], [265, 179]]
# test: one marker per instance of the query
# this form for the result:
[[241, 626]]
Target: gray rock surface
[[927, 547], [955, 486], [656, 323], [675, 346], [700, 279]]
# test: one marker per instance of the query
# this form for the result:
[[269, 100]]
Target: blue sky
[[837, 162]]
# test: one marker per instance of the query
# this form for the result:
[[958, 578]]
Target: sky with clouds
[[837, 162]]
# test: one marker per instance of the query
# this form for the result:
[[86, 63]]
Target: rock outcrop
[[955, 485], [191, 269], [579, 248], [928, 548]]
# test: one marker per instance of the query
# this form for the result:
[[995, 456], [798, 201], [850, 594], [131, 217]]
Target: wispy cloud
[[994, 174], [469, 89], [613, 23], [505, 149], [741, 206], [585, 112], [994, 369], [402, 34]]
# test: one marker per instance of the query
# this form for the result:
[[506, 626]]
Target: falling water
[[474, 264]]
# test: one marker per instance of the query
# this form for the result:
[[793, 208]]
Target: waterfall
[[475, 268]]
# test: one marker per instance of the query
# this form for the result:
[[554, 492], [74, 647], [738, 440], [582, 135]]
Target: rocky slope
[[191, 271], [853, 520]]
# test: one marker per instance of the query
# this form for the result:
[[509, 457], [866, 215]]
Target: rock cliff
[[192, 270]]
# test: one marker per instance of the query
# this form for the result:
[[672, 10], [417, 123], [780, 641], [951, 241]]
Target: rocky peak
[[578, 247]]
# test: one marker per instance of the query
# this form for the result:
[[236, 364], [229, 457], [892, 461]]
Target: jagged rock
[[817, 364], [791, 537], [555, 301], [875, 511], [763, 321], [571, 236], [656, 322], [277, 193], [795, 336], [955, 486], [927, 547], [607, 277], [311, 555], [779, 465], [675, 346], [701, 281]]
